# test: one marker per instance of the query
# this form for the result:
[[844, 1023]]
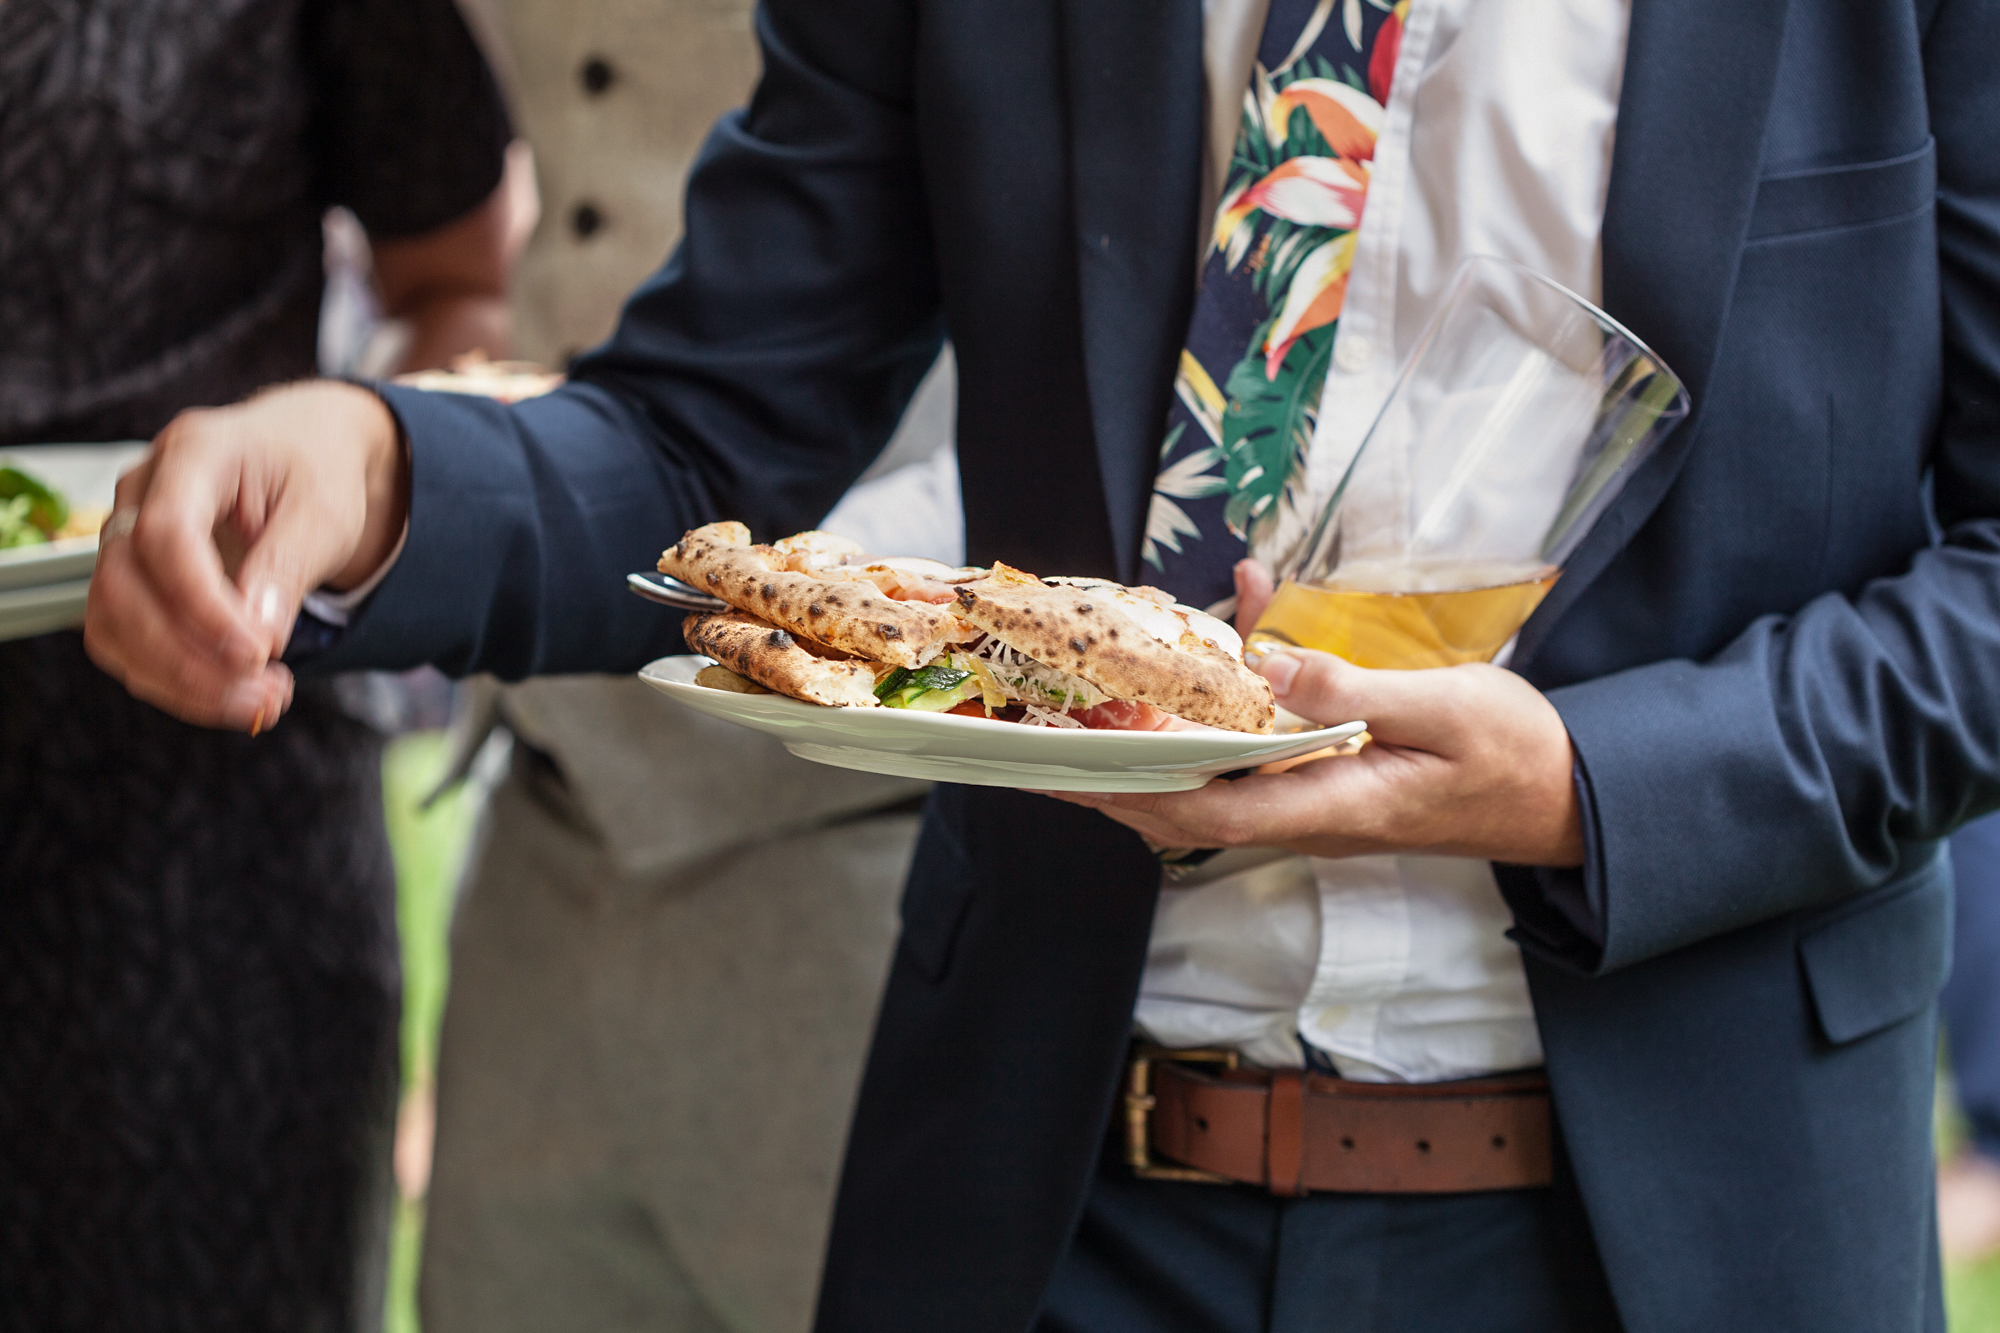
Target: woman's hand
[[1466, 761]]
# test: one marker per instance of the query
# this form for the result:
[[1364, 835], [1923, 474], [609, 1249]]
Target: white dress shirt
[[1496, 140]]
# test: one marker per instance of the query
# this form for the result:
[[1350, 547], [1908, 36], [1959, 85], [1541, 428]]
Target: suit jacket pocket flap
[[1882, 962], [1802, 201]]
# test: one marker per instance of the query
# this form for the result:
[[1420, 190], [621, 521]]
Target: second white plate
[[940, 747], [42, 588]]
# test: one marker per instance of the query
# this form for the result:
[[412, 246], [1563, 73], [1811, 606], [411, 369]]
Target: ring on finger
[[119, 525]]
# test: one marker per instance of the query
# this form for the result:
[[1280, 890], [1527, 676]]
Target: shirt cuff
[[1559, 910], [337, 608]]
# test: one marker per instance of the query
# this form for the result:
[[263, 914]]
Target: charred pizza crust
[[1073, 630], [773, 658], [851, 615]]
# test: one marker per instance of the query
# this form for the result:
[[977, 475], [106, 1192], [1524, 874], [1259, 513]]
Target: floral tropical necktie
[[1246, 396]]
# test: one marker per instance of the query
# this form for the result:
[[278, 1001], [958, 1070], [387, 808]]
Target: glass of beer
[[1514, 423]]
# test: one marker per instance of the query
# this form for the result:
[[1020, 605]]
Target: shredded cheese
[[1037, 682], [1042, 717]]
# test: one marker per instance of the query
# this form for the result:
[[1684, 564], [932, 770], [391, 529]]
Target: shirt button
[[1353, 353]]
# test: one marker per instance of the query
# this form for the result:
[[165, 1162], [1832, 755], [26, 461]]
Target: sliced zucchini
[[892, 682], [931, 689], [942, 701]]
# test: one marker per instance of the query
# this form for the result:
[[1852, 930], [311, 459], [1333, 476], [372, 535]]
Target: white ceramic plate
[[938, 747], [42, 587]]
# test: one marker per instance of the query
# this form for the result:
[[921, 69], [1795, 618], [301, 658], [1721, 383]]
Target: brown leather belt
[[1294, 1132]]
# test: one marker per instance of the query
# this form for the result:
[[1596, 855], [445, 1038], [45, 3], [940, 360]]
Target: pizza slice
[[758, 650], [812, 585], [1091, 641], [819, 619]]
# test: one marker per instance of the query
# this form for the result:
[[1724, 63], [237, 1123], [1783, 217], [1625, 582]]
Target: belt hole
[[1201, 1123], [1423, 1145], [1347, 1143], [1499, 1140]]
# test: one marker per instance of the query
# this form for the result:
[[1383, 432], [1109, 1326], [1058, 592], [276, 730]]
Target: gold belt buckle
[[1139, 1103]]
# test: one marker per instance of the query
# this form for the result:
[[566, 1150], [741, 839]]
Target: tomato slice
[[1113, 715], [1122, 715]]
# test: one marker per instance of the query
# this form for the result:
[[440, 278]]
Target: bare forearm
[[450, 283], [451, 324]]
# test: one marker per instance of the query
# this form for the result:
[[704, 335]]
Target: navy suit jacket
[[1778, 655]]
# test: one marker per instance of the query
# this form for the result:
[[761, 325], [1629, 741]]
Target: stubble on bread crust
[[769, 655], [1087, 636], [849, 614]]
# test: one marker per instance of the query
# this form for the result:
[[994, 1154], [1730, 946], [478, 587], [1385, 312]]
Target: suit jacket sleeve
[[1821, 753], [754, 377]]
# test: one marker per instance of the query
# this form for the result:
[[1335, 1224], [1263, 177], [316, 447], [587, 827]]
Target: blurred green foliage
[[430, 846]]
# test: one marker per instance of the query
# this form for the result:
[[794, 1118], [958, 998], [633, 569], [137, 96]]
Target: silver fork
[[672, 592]]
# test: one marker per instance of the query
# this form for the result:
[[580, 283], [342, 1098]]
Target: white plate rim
[[1075, 759]]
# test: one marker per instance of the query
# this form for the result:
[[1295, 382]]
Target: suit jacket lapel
[[1135, 109], [1698, 80]]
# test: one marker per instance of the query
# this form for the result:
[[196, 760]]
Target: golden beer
[[1404, 618]]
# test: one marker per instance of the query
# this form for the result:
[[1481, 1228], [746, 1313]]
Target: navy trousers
[[1164, 1257], [1971, 999]]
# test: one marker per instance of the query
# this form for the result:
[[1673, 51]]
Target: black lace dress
[[198, 980]]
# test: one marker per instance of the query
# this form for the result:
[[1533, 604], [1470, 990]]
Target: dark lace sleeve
[[409, 129]]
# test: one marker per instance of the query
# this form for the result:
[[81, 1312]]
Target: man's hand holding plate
[[1466, 761]]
